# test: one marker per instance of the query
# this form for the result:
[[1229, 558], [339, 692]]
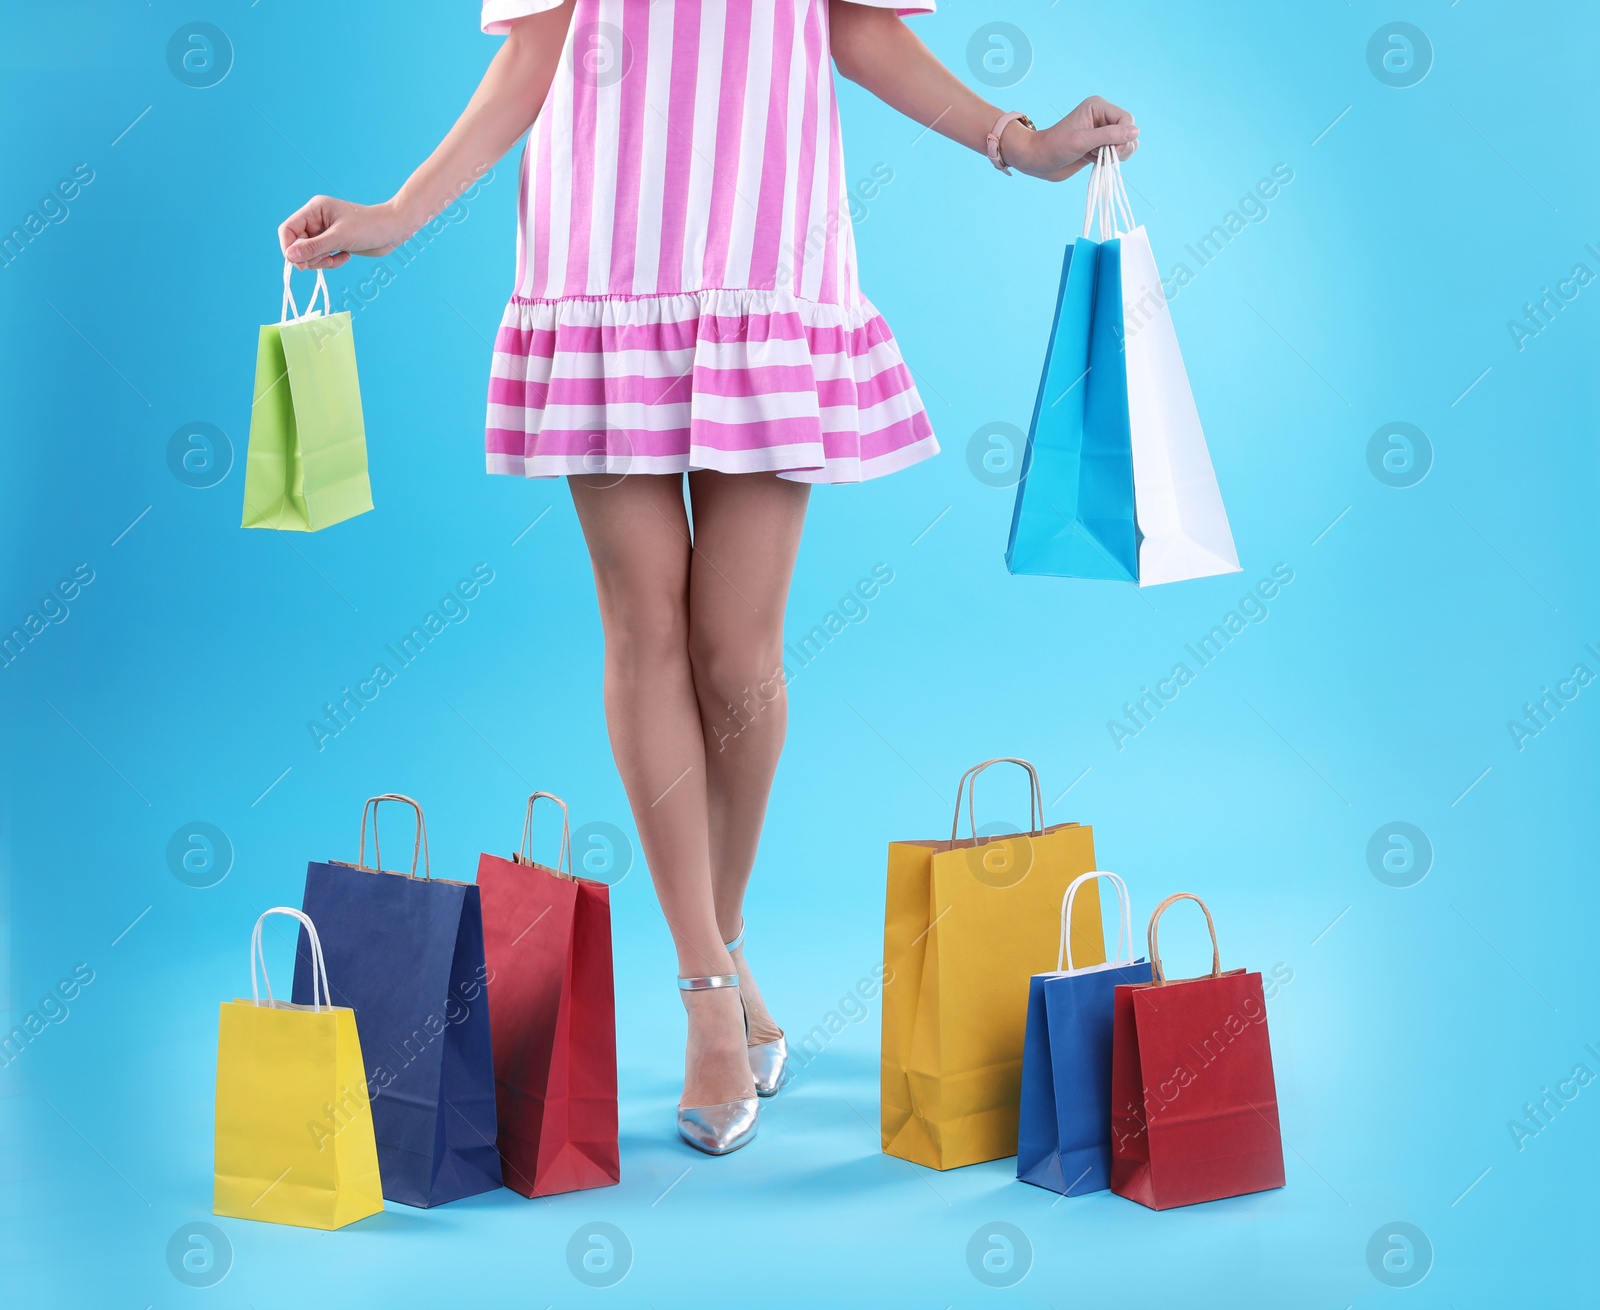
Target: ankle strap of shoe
[[708, 982], [738, 939]]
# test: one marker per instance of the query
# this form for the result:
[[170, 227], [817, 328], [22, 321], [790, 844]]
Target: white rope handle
[[1119, 191], [1124, 931], [1108, 198], [291, 312], [1091, 203], [319, 967], [565, 853]]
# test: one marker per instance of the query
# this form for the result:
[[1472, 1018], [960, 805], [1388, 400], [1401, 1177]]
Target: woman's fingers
[[1115, 118], [322, 261], [1107, 114], [312, 232], [317, 251], [1120, 135], [311, 218]]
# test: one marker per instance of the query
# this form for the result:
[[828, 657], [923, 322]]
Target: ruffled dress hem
[[735, 380]]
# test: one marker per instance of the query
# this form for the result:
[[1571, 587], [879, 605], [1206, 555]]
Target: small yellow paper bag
[[294, 1141]]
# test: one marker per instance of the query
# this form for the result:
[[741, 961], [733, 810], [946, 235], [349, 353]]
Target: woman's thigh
[[747, 529], [637, 531]]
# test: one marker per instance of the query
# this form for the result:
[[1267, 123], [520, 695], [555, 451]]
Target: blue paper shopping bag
[[1064, 1132], [1074, 513], [406, 954]]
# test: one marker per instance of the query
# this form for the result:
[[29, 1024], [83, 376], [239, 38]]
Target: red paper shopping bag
[[1194, 1108], [552, 1018]]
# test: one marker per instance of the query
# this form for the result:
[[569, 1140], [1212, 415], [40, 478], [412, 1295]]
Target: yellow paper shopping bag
[[294, 1141], [965, 923]]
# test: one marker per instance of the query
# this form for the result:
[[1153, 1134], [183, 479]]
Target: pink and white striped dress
[[686, 291]]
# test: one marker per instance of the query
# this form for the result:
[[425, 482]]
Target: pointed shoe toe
[[769, 1066], [719, 1129]]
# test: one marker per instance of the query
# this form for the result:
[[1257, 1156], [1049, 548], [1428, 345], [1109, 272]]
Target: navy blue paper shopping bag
[[1074, 513], [406, 954], [1064, 1132]]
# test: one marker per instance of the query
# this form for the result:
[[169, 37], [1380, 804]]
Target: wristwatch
[[1001, 123]]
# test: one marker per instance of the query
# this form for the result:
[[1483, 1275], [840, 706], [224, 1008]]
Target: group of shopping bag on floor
[[447, 1038], [1096, 1074], [390, 1074]]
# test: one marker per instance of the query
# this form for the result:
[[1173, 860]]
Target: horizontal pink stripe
[[752, 436], [881, 441], [631, 389], [784, 463], [874, 444], [891, 382], [702, 433], [870, 444], [743, 383]]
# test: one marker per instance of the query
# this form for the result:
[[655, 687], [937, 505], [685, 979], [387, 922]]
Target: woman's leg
[[638, 538], [746, 535]]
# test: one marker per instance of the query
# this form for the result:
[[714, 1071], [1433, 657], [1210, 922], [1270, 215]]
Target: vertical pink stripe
[[730, 131], [630, 161], [541, 213], [775, 164], [680, 144], [816, 31], [828, 293], [585, 136]]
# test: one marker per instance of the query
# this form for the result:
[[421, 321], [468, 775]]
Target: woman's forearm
[[501, 110], [874, 49]]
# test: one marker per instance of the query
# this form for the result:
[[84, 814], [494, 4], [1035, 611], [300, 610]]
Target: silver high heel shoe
[[718, 1129], [769, 1061]]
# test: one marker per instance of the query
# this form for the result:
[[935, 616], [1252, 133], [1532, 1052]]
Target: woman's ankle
[[715, 1067], [762, 1027]]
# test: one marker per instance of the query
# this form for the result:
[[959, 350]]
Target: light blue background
[[1378, 289]]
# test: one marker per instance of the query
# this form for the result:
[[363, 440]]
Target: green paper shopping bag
[[307, 466]]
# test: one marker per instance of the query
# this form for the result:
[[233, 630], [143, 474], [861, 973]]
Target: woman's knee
[[733, 672], [646, 629]]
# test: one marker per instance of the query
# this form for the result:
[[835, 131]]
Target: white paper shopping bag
[[1182, 522]]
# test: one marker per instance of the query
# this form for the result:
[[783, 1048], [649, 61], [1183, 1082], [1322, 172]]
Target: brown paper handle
[[969, 783], [525, 852], [1157, 973], [419, 847]]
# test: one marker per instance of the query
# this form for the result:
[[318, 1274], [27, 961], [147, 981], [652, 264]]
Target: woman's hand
[[1056, 153], [324, 233]]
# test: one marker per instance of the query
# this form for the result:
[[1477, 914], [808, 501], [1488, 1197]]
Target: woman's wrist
[[399, 215], [1017, 145]]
